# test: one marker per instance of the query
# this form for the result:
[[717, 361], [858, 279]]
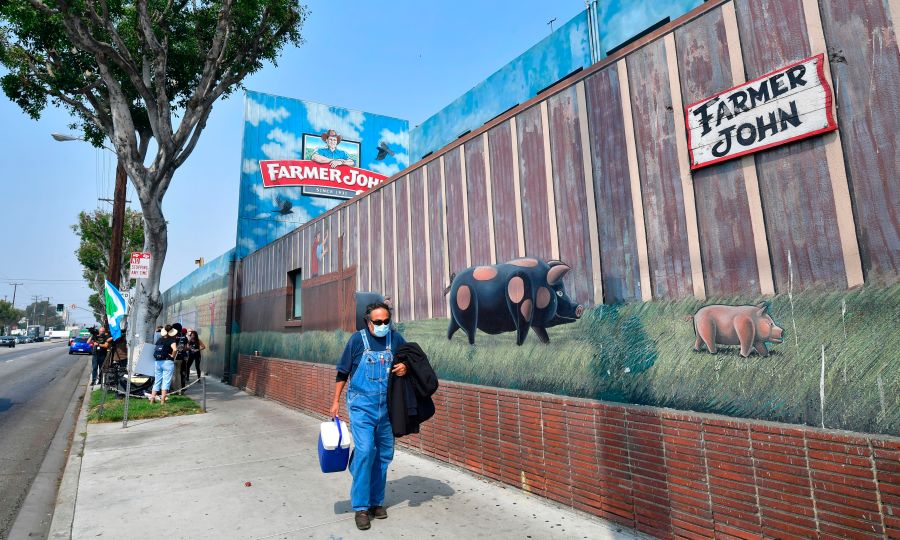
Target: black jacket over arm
[[409, 397]]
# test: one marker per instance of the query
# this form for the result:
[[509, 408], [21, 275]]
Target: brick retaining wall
[[664, 472]]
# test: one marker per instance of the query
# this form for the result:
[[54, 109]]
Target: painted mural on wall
[[200, 301], [826, 359], [512, 297], [300, 159], [620, 20]]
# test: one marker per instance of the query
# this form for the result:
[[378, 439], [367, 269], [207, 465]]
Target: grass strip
[[138, 408]]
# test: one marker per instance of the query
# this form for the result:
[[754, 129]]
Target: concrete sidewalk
[[185, 477]]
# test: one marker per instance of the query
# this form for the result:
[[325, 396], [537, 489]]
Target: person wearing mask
[[364, 368], [181, 354], [194, 346], [165, 366], [100, 343]]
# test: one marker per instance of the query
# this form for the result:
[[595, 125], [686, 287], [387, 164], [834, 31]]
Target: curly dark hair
[[377, 305]]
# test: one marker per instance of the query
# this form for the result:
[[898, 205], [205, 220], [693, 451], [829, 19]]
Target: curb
[[64, 511]]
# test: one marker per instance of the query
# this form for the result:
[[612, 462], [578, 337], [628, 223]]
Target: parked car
[[21, 339], [7, 341], [80, 346]]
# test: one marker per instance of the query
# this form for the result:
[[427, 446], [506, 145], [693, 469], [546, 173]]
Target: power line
[[41, 280]]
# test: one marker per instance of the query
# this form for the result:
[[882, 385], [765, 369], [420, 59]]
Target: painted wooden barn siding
[[437, 243], [364, 228], [320, 227], [404, 302], [794, 180], [723, 213], [504, 198], [476, 183], [353, 234], [389, 244], [654, 127], [376, 241], [418, 217], [612, 188], [455, 203], [348, 237], [329, 225], [866, 72], [570, 195], [533, 180]]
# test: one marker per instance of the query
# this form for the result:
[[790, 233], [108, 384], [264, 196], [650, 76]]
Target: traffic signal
[[60, 308]]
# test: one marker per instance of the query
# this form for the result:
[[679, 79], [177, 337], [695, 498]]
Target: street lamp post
[[114, 271]]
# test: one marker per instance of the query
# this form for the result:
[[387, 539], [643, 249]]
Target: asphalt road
[[37, 382]]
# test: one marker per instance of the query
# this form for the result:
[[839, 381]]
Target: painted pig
[[748, 326], [511, 297]]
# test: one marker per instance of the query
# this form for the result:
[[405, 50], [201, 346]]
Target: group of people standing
[[175, 343]]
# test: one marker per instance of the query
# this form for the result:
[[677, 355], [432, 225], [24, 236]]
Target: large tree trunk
[[148, 304]]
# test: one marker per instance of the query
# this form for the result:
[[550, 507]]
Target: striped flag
[[115, 309]]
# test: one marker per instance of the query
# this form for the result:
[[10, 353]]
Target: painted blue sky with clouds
[[273, 129]]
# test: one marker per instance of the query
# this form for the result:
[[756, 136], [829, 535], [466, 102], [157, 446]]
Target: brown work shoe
[[378, 512], [362, 520]]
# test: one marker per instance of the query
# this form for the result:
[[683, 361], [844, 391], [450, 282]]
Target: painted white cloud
[[248, 244], [400, 138], [283, 145], [250, 166], [256, 113], [325, 204], [386, 169], [322, 118], [402, 158]]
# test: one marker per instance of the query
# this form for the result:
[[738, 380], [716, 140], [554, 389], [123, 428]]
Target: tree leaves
[[95, 232]]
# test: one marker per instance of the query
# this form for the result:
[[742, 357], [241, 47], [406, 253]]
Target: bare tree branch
[[160, 64], [195, 135], [81, 36]]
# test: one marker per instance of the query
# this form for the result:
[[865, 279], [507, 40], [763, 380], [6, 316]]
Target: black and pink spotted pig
[[511, 297]]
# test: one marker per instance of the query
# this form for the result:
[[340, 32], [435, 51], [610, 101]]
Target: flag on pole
[[115, 309]]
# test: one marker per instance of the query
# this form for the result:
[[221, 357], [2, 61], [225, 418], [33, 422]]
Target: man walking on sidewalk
[[367, 364]]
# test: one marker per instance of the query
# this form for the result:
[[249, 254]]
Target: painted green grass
[[641, 353], [114, 407]]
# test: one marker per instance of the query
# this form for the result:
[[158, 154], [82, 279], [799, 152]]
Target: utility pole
[[34, 301], [118, 226], [15, 286]]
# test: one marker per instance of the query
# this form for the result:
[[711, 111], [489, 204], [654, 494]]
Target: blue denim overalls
[[372, 434]]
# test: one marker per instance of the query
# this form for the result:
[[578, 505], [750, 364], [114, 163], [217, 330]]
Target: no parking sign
[[140, 265]]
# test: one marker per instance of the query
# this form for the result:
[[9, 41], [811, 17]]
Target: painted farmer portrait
[[331, 154]]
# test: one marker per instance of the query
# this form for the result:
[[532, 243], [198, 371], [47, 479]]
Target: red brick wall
[[665, 472]]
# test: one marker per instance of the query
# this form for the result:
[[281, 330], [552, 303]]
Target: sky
[[406, 59]]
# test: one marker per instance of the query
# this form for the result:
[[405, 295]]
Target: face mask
[[381, 330]]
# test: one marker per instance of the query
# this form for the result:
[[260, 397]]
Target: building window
[[295, 309]]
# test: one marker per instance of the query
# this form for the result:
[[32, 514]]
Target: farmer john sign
[[329, 169], [300, 159], [786, 105]]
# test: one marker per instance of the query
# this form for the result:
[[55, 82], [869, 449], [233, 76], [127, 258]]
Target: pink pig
[[748, 326]]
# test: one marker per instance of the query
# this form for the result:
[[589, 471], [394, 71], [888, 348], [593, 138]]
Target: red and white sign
[[792, 103], [140, 265], [308, 173]]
